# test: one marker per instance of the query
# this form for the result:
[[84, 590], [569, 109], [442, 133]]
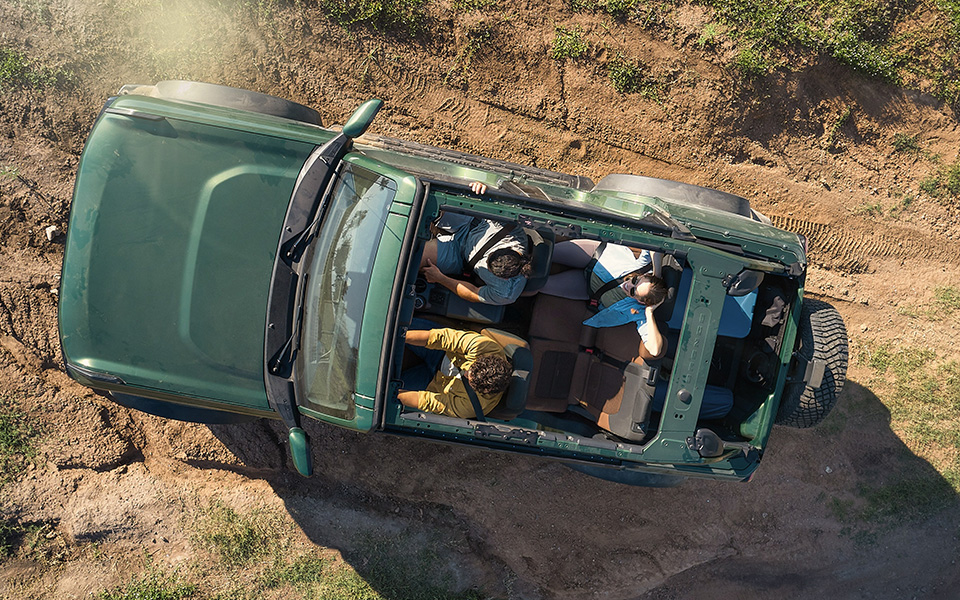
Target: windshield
[[338, 276]]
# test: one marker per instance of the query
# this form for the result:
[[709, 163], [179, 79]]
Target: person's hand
[[654, 306], [478, 188], [432, 272]]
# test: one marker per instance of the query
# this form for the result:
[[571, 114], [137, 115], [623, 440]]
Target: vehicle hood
[[172, 236]]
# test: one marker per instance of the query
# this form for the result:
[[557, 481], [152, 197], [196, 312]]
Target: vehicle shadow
[[820, 515]]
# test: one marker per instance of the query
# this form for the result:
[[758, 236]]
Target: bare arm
[[417, 337], [465, 290], [654, 347], [409, 399]]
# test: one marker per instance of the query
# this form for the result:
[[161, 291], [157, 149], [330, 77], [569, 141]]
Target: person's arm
[[422, 400], [417, 337], [409, 399], [652, 344], [463, 289]]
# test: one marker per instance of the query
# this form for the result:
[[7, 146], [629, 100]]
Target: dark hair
[[490, 374], [658, 289], [506, 263]]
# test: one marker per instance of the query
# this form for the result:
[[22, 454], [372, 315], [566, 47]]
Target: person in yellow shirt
[[449, 356]]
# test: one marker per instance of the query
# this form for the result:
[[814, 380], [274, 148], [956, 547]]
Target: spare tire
[[229, 97], [683, 193], [822, 336]]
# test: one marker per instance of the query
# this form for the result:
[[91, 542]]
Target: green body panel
[[177, 215], [165, 279]]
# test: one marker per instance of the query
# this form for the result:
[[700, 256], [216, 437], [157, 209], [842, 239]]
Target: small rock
[[864, 327]]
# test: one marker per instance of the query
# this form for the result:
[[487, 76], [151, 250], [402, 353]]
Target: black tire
[[822, 336], [684, 193], [229, 97]]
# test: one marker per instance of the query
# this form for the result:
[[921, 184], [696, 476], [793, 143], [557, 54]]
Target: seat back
[[514, 399], [541, 252]]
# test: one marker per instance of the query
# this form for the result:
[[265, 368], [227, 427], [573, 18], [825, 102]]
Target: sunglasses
[[630, 286]]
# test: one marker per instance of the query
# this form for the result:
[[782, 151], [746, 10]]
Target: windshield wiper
[[302, 240], [280, 362]]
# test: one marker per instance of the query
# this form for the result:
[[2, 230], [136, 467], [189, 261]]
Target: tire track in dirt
[[447, 105], [849, 245], [849, 242]]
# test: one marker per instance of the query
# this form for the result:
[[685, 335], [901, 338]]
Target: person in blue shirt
[[626, 281], [503, 268]]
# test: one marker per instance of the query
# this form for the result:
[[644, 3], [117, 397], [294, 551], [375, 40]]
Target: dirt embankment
[[108, 483]]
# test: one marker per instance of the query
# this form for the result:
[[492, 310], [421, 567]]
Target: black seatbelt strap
[[603, 289], [593, 260], [473, 399], [490, 243]]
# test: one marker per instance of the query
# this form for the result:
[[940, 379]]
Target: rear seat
[[585, 369]]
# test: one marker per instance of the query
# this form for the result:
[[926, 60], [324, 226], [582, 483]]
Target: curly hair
[[490, 374], [506, 263]]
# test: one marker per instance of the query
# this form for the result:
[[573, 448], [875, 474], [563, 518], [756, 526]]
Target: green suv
[[229, 258]]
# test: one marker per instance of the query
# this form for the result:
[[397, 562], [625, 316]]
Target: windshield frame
[[345, 223]]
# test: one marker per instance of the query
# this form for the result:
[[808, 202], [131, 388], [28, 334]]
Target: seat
[[541, 251], [514, 400]]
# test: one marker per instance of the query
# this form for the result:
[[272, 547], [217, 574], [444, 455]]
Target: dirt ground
[[113, 483]]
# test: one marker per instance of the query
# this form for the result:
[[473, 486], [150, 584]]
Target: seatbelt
[[473, 399], [490, 243], [595, 295]]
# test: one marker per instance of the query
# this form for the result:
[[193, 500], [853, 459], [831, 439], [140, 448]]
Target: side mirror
[[300, 451], [361, 118], [743, 283], [706, 443]]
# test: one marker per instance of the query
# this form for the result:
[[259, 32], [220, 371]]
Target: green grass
[[237, 539], [632, 76], [153, 584], [405, 17], [709, 36], [18, 435], [468, 5], [568, 43], [19, 72], [260, 555], [944, 184], [906, 144], [479, 37], [946, 299], [922, 392], [903, 43], [834, 132]]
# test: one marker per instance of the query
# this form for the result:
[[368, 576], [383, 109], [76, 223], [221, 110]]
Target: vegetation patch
[[631, 76], [395, 16], [568, 43], [154, 584], [18, 435], [922, 392], [479, 36], [917, 45], [237, 539], [468, 5], [944, 184], [906, 144], [19, 72]]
